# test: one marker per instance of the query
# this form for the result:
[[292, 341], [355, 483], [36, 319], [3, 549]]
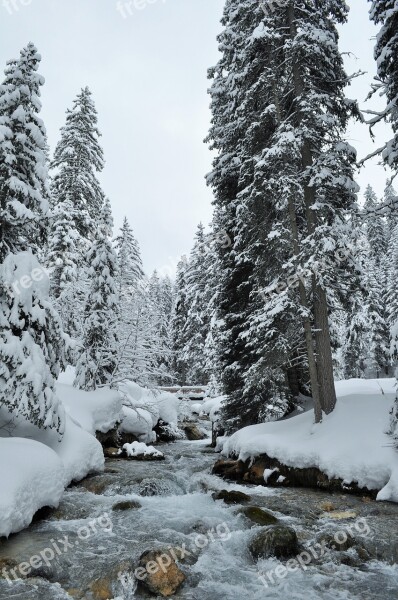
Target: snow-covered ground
[[36, 465], [32, 476], [351, 443]]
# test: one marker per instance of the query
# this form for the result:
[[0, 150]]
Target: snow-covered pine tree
[[385, 14], [63, 262], [279, 118], [375, 282], [23, 157], [32, 343], [178, 321], [196, 327], [77, 159], [131, 273], [375, 227], [97, 362], [392, 296]]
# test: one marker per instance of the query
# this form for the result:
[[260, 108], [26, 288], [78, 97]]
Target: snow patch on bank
[[351, 443], [32, 476]]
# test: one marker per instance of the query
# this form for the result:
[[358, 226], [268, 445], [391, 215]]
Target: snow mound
[[32, 476], [80, 452], [351, 443], [139, 449], [143, 408], [94, 411], [211, 407], [139, 422]]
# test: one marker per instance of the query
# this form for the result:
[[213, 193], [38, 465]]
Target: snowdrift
[[144, 408], [350, 444], [32, 476]]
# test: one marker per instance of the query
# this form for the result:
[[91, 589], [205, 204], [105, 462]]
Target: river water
[[93, 544]]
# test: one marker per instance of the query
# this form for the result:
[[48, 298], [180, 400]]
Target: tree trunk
[[327, 392]]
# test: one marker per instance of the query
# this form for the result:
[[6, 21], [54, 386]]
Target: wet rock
[[95, 484], [126, 438], [340, 515], [109, 586], [75, 593], [160, 573], [232, 497], [108, 439], [127, 505], [193, 433], [229, 469], [275, 540], [155, 487], [166, 432], [259, 516], [341, 541], [112, 452], [327, 506]]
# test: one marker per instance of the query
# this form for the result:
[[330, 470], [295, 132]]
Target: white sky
[[148, 73]]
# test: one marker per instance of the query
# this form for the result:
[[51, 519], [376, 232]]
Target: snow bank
[[139, 449], [144, 408], [32, 476], [94, 411], [211, 407], [79, 451], [350, 444]]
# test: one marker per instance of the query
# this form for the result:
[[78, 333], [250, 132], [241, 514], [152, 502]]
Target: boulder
[[276, 540], [159, 572], [193, 433], [232, 497], [127, 505], [112, 452], [108, 586], [229, 469], [108, 439], [259, 515]]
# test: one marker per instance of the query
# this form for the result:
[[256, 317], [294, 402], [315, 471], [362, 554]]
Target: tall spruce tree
[[283, 182], [130, 273], [97, 362], [32, 342], [78, 158], [178, 321], [24, 189]]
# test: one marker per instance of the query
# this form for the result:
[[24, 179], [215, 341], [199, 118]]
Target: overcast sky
[[147, 68]]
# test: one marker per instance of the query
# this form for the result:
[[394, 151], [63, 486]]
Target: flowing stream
[[98, 546]]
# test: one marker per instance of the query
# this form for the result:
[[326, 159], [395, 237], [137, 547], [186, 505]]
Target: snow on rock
[[140, 449], [80, 452], [32, 476], [211, 407], [144, 408], [351, 443], [139, 422], [100, 410]]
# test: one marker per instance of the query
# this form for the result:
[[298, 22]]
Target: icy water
[[97, 544]]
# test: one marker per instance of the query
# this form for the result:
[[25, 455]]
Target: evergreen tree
[[279, 118], [97, 362], [131, 273], [32, 343], [385, 14], [375, 227], [196, 327], [179, 319], [23, 157], [77, 159]]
